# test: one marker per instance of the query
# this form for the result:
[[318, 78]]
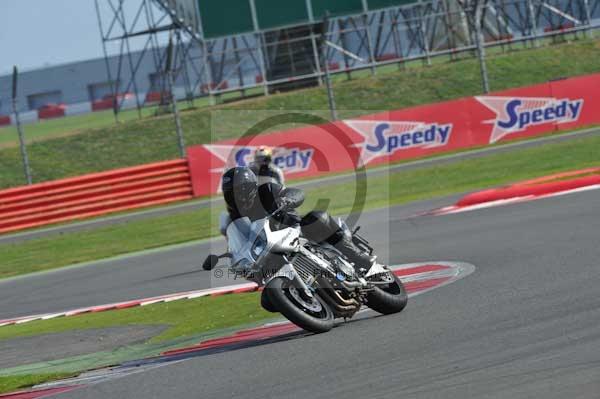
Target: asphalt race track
[[525, 324], [158, 273]]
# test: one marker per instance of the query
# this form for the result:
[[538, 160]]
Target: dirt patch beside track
[[20, 351]]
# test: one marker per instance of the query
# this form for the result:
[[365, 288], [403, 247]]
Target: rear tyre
[[313, 314], [388, 299]]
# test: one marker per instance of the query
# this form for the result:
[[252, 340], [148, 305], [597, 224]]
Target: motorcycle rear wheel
[[388, 299], [315, 317]]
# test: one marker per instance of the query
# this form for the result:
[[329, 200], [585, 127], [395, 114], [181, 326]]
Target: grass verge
[[185, 318], [14, 383], [152, 139], [393, 189]]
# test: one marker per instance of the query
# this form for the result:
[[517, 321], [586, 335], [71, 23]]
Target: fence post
[[207, 72], [330, 95], [532, 23], [479, 39], [170, 66], [588, 19], [449, 29], [316, 56], [20, 128], [342, 28], [261, 48], [369, 43], [423, 31], [179, 130]]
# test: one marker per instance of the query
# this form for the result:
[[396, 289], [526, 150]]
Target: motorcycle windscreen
[[238, 233]]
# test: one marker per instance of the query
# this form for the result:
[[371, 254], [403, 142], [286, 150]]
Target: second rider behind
[[264, 169], [244, 197]]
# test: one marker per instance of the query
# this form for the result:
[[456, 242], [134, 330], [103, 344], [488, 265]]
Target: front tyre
[[388, 299], [265, 302], [311, 314]]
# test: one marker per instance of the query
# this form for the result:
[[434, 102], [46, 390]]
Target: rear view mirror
[[210, 262]]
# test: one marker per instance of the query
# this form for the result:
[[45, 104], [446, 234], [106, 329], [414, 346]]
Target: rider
[[264, 168], [244, 197]]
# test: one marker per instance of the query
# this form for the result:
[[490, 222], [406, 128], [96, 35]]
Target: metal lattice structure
[[279, 59], [151, 25]]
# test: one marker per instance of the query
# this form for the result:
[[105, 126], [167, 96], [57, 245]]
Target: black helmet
[[240, 187]]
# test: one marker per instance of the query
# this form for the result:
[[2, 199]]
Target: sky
[[38, 33]]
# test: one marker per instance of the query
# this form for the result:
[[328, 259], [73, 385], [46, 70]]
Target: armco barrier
[[51, 111], [101, 105], [409, 133], [154, 96], [94, 194]]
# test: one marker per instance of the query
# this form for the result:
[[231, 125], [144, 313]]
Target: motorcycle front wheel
[[265, 302], [311, 314]]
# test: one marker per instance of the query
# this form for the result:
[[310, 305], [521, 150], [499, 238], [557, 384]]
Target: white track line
[[216, 291]]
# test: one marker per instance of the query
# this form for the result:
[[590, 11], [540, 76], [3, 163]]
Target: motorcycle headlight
[[259, 244]]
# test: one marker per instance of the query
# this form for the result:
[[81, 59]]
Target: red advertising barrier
[[101, 105], [94, 194], [4, 120], [409, 133], [527, 190], [301, 152], [314, 150]]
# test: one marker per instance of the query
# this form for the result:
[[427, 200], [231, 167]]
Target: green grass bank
[[381, 191], [150, 139]]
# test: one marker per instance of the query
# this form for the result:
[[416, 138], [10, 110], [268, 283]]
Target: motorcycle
[[310, 283]]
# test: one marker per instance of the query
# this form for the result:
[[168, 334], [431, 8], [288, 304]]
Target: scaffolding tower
[[270, 60]]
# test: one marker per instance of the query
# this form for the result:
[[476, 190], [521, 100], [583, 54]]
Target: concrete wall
[[73, 80]]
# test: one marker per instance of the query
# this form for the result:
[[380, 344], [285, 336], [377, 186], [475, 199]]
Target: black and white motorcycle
[[310, 284]]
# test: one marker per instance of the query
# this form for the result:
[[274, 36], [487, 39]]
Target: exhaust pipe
[[343, 307]]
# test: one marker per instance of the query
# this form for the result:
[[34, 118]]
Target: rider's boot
[[362, 261], [320, 227]]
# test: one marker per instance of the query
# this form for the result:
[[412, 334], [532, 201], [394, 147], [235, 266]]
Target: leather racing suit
[[317, 226]]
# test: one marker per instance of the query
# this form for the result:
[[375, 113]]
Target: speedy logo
[[290, 160], [384, 138], [516, 114]]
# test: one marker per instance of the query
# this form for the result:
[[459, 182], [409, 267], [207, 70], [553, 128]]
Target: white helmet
[[263, 155]]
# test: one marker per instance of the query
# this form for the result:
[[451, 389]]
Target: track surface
[[155, 274], [525, 324]]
